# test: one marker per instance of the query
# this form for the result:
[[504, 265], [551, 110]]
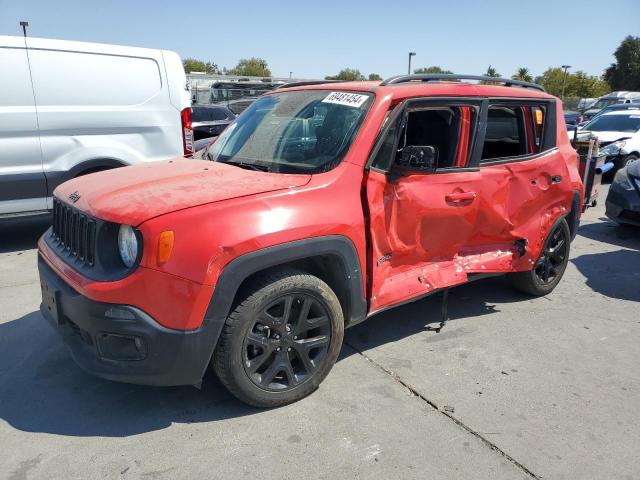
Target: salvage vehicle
[[572, 119], [322, 205], [613, 98], [67, 109], [623, 199], [619, 135]]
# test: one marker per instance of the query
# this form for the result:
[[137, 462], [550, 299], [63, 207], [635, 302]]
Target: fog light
[[112, 346]]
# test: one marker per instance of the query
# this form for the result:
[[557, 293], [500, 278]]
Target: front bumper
[[623, 206], [121, 342]]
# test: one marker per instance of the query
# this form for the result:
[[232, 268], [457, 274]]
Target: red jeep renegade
[[319, 206]]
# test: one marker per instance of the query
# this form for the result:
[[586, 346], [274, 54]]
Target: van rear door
[[22, 181]]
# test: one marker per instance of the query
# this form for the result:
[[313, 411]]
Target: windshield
[[605, 102], [293, 132], [614, 123]]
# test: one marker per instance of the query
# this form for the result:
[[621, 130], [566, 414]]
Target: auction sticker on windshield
[[347, 99]]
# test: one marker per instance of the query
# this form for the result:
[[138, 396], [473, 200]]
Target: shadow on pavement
[[614, 274], [471, 300], [609, 232], [43, 390], [18, 234]]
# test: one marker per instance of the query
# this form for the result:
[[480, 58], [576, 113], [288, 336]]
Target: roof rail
[[309, 82], [434, 77]]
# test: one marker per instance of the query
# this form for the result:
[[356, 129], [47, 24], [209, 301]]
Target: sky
[[312, 39]]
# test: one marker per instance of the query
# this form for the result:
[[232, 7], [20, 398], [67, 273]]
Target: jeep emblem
[[74, 197]]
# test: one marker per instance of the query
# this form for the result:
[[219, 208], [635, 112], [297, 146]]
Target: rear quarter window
[[88, 79]]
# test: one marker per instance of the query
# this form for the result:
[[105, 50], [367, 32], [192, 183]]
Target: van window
[[86, 79]]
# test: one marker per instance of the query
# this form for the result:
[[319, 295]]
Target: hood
[[607, 136], [134, 194]]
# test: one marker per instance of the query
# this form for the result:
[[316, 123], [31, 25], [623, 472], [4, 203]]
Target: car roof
[[622, 112], [416, 89]]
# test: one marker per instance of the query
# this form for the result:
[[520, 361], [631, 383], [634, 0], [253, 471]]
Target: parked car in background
[[572, 119], [210, 120], [619, 135], [72, 108], [623, 199], [612, 98], [322, 205], [635, 105], [585, 103], [200, 145]]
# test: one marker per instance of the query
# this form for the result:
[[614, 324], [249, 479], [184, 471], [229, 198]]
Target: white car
[[71, 108], [619, 135]]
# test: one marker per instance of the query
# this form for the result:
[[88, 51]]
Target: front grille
[[75, 232]]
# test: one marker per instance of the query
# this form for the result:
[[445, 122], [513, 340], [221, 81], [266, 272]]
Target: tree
[[523, 74], [625, 73], [491, 72], [195, 65], [577, 84], [251, 67], [374, 76], [432, 69], [349, 74]]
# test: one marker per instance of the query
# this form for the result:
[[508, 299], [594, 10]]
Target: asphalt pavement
[[511, 388]]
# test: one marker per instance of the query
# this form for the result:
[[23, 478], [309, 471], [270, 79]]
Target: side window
[[448, 129], [513, 131]]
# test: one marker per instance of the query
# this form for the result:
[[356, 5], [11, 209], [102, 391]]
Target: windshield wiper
[[250, 166]]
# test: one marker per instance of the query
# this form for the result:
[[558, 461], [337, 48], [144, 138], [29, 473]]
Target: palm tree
[[523, 74], [492, 72]]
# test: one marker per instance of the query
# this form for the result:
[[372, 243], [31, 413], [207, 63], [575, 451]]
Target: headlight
[[128, 245], [622, 179], [613, 148]]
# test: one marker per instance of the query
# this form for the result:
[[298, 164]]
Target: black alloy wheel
[[287, 342], [553, 257], [551, 264], [281, 339]]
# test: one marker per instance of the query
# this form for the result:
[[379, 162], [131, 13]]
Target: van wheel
[[281, 340], [551, 264]]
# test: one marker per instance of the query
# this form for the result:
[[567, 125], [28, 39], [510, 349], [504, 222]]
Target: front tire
[[281, 340], [550, 266]]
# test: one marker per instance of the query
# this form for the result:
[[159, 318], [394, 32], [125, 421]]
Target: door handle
[[461, 197]]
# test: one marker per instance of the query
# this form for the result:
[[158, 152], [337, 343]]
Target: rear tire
[[281, 340], [550, 266]]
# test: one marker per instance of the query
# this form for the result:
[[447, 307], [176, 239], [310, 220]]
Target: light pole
[[564, 79], [411, 54], [24, 26]]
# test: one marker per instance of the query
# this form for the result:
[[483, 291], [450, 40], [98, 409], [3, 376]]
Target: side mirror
[[420, 158]]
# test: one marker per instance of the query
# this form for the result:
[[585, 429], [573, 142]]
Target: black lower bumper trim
[[121, 342], [623, 206]]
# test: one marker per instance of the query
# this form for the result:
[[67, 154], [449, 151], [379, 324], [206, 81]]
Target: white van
[[71, 108], [612, 98]]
